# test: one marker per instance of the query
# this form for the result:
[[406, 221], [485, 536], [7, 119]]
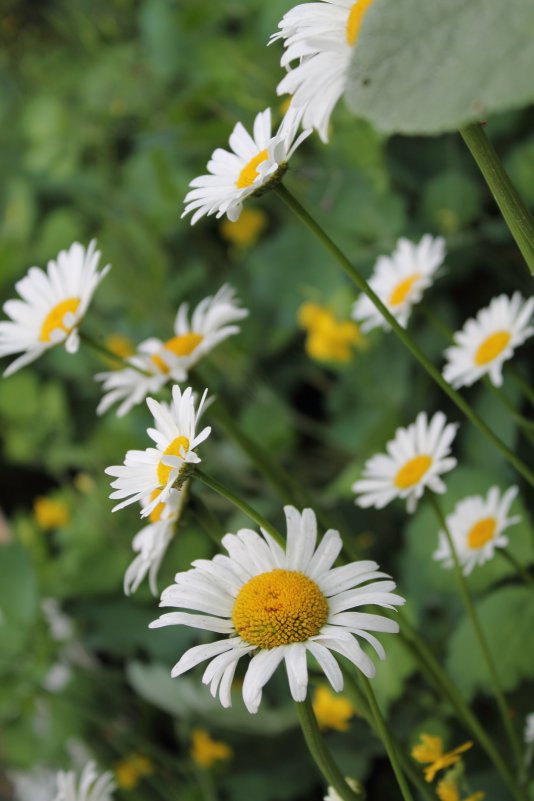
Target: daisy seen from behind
[[416, 458], [321, 38], [91, 786], [151, 474], [253, 164], [477, 527], [277, 605], [487, 341], [52, 305], [400, 280], [156, 362]]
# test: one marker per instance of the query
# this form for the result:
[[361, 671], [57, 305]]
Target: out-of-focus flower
[[53, 305], [91, 786], [430, 750], [529, 728], [489, 340], [50, 513], [358, 788], [235, 593], [131, 770], [120, 345], [448, 790], [332, 711], [206, 751], [245, 231], [328, 339]]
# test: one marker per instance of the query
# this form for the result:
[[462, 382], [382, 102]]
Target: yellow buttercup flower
[[50, 514], [447, 790], [206, 751], [130, 771], [328, 338], [430, 750], [333, 711], [245, 231]]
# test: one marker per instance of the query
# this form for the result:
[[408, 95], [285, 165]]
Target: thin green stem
[[509, 201], [475, 622], [103, 351], [406, 339], [522, 383], [243, 506], [518, 567], [386, 739], [319, 752], [524, 423]]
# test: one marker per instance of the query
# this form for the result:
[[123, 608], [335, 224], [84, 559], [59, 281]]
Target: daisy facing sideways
[[91, 786], [486, 342], [416, 458], [151, 473], [52, 306], [254, 163], [157, 362], [477, 528], [320, 38], [277, 605], [400, 280]]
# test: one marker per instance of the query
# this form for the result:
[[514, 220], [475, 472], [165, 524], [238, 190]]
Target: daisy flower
[[151, 473], [485, 343], [399, 281], [156, 362], [151, 543], [321, 37], [53, 305], [278, 605], [254, 163], [416, 458], [37, 784], [332, 795], [477, 528], [90, 787]]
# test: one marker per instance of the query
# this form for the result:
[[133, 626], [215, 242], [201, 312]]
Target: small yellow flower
[[121, 345], [84, 482], [131, 770], [333, 711], [245, 231], [447, 790], [205, 751], [328, 339], [430, 750], [50, 514]]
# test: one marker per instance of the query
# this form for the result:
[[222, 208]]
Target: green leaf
[[428, 67], [18, 599], [507, 618]]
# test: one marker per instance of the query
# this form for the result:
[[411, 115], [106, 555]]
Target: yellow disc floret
[[249, 173], [178, 447], [492, 347], [413, 471], [55, 318], [403, 289], [182, 345], [279, 608], [355, 19], [482, 532]]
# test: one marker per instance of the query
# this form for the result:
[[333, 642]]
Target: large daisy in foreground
[[254, 163], [151, 473], [52, 306], [278, 605], [416, 458], [321, 38], [485, 343], [399, 281], [91, 786], [477, 528]]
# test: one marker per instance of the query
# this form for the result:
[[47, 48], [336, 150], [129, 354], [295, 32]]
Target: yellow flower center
[[279, 608], [249, 173], [354, 22], [412, 471], [182, 345], [492, 347], [481, 532], [174, 449], [155, 514], [54, 318], [403, 289]]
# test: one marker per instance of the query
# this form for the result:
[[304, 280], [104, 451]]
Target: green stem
[[103, 351], [406, 339], [320, 754], [386, 739], [524, 423], [522, 383], [518, 567], [509, 201], [471, 611], [243, 506]]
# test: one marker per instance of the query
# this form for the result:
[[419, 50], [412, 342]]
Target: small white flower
[[529, 728], [234, 596], [91, 785], [254, 163], [399, 281], [52, 306], [37, 784], [321, 37], [212, 321], [152, 541], [416, 458], [485, 343], [332, 795], [151, 473], [476, 527]]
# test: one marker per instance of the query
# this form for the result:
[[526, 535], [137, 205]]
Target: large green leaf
[[428, 67]]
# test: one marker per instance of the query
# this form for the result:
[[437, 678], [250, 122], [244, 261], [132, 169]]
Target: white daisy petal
[[91, 785]]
